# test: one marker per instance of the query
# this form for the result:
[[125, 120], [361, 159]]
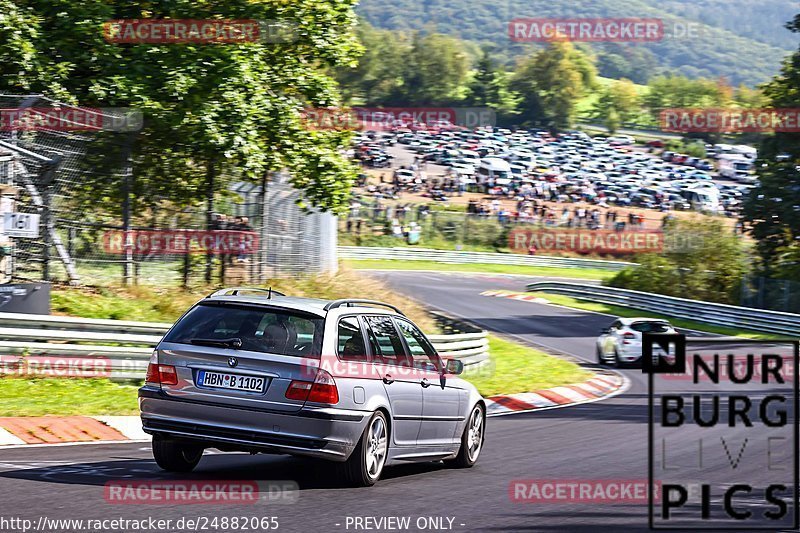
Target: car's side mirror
[[605, 331], [454, 366]]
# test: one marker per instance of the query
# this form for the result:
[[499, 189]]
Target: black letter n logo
[[663, 353]]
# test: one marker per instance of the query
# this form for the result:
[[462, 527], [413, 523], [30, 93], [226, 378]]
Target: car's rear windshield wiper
[[221, 343]]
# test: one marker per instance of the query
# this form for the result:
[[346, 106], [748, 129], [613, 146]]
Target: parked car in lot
[[350, 381], [621, 343]]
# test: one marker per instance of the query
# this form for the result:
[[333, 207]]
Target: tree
[[376, 80], [551, 84], [490, 87], [435, 71], [771, 210], [618, 103], [702, 260], [664, 92], [235, 106]]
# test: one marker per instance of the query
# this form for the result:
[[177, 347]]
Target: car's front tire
[[599, 353], [364, 466], [617, 363], [471, 439], [176, 456]]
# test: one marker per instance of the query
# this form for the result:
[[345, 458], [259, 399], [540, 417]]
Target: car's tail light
[[298, 390], [321, 390], [628, 337], [161, 374]]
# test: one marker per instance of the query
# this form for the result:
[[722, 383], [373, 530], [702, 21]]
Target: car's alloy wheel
[[471, 439], [365, 465], [375, 455], [475, 435]]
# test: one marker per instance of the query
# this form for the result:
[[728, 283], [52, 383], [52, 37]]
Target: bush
[[693, 149], [710, 266]]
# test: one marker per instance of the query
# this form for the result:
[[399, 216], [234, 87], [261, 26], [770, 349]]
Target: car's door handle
[[425, 383], [388, 379]]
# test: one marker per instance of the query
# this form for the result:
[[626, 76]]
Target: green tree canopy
[[551, 83], [222, 105]]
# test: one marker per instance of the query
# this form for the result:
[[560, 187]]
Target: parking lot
[[531, 176]]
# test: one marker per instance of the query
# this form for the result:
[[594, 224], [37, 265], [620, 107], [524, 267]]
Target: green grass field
[[386, 264], [517, 368], [627, 312], [66, 396], [514, 368]]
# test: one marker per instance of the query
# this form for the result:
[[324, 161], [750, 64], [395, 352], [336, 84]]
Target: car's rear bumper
[[630, 355], [325, 433]]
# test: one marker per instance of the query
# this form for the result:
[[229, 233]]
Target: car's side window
[[385, 342], [350, 343], [421, 350]]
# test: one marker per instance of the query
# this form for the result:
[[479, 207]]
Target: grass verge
[[66, 396], [627, 312], [155, 304], [516, 368], [388, 264]]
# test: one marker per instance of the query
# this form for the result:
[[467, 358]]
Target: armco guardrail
[[95, 344], [454, 257], [705, 312]]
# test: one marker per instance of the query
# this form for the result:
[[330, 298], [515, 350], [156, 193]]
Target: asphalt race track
[[602, 440]]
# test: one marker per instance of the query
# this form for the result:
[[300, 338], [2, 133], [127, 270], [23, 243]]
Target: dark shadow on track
[[309, 474], [564, 325]]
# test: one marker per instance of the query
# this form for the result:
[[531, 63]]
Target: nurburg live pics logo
[[731, 427]]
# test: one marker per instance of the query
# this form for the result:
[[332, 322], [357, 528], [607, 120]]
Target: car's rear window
[[260, 329], [650, 327]]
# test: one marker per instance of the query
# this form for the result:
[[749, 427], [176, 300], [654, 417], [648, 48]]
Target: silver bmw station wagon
[[351, 381]]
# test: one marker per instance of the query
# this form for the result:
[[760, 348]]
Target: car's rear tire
[[176, 456], [364, 466], [471, 439]]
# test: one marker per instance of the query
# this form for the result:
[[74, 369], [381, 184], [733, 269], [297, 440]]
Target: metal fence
[[462, 258], [374, 218], [775, 294], [741, 318], [86, 187], [54, 345]]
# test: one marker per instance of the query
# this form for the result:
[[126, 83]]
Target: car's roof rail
[[351, 302], [234, 291]]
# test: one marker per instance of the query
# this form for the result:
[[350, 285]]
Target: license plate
[[219, 380]]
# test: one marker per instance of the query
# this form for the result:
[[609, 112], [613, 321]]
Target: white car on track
[[621, 343]]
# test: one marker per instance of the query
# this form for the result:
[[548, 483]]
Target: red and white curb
[[597, 388], [48, 430], [64, 430], [516, 296]]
